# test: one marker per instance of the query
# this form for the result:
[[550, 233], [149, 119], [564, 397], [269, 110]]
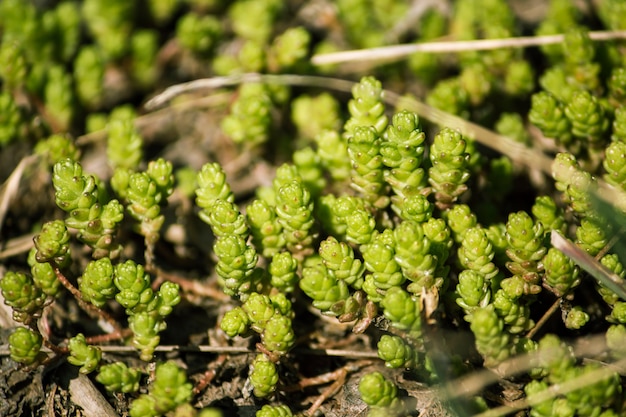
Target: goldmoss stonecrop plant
[[449, 171], [402, 153], [78, 195]]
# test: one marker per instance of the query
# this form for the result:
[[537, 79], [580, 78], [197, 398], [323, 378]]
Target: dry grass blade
[[474, 383], [529, 157], [581, 382], [600, 272], [12, 184], [398, 52], [218, 82], [516, 151], [84, 393], [17, 245]]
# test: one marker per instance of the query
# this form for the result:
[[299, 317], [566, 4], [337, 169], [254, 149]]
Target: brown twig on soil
[[54, 348], [10, 187], [208, 376], [585, 380], [17, 245], [337, 377], [472, 384]]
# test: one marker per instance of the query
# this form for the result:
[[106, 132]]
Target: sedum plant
[[317, 214]]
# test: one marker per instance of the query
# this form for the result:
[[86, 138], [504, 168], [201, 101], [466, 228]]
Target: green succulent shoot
[[449, 171], [169, 390], [21, 293], [263, 376], [25, 346], [77, 194], [83, 355], [117, 377], [44, 275], [396, 352], [274, 411], [380, 394], [492, 341]]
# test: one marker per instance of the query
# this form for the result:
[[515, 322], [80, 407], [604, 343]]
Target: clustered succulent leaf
[[147, 192], [169, 390], [96, 284], [263, 376], [25, 346], [367, 165], [559, 366], [124, 144], [448, 173], [380, 394], [274, 411], [294, 210], [403, 311], [20, 292], [396, 352], [333, 153], [316, 116], [97, 223], [83, 355], [366, 107], [249, 119], [526, 249], [323, 288], [43, 274], [492, 341], [269, 316], [146, 308], [117, 377], [339, 259], [236, 259], [402, 153], [561, 274]]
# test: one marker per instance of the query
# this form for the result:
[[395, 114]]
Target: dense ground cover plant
[[288, 230]]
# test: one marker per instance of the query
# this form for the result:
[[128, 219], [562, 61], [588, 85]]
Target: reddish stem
[[88, 307], [105, 338]]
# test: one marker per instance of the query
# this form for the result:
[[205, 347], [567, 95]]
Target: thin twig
[[600, 272], [231, 350], [17, 245], [337, 377], [189, 285], [210, 374], [218, 82], [546, 316], [109, 337], [88, 307], [516, 151], [397, 52], [331, 390], [10, 187], [472, 384], [585, 380]]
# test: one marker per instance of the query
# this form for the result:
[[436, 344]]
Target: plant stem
[[88, 307]]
